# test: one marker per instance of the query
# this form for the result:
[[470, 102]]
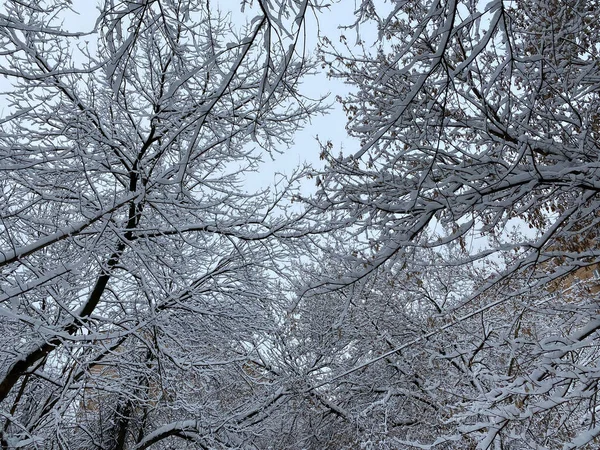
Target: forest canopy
[[437, 290]]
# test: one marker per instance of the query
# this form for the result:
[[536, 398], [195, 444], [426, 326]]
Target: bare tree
[[474, 117], [139, 277]]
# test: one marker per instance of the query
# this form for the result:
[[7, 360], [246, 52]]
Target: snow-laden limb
[[187, 429], [589, 436], [12, 255]]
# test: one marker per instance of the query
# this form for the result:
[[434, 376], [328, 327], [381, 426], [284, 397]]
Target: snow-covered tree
[[474, 117], [145, 292], [138, 274]]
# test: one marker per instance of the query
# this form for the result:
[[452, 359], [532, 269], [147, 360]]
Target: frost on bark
[[138, 276]]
